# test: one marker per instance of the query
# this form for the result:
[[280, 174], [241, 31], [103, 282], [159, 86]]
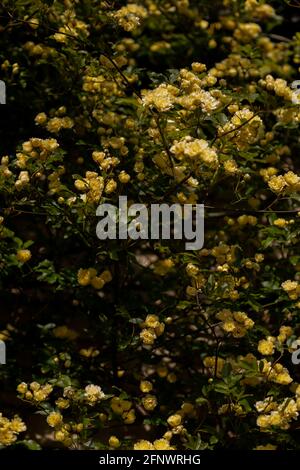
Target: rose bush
[[141, 344]]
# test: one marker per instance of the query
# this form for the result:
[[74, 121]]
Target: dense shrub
[[141, 343]]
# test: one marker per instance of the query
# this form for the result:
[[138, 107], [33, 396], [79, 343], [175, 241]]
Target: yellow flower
[[210, 362], [280, 222], [116, 405], [41, 118], [64, 332], [98, 157], [172, 378], [81, 185], [148, 336], [263, 421], [198, 67], [143, 445], [291, 178], [162, 444], [283, 378], [284, 333], [124, 177], [129, 417], [247, 219], [62, 403], [114, 442], [231, 408], [230, 166], [17, 425], [119, 406], [40, 392], [259, 257], [129, 16], [162, 371], [266, 447], [266, 405], [191, 291], [236, 323], [174, 420], [23, 255], [288, 286], [146, 386], [84, 277], [126, 404], [54, 419], [187, 408], [149, 402], [289, 409], [35, 386], [10, 429], [152, 321], [33, 23], [106, 276], [111, 186], [22, 387], [192, 270], [275, 419], [60, 436], [292, 288], [277, 183], [89, 352], [159, 45], [228, 326], [97, 282], [159, 329], [265, 347], [297, 390], [195, 149], [162, 97], [93, 394], [286, 330]]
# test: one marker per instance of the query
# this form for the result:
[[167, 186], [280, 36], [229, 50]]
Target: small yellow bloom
[[143, 445], [62, 403], [277, 183], [162, 444], [22, 387], [114, 442], [263, 421], [149, 402], [280, 222], [106, 276], [192, 269], [148, 336], [174, 420], [54, 419], [23, 255], [60, 436], [41, 118], [97, 282], [124, 177], [64, 332], [265, 347], [152, 321], [129, 416], [146, 386]]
